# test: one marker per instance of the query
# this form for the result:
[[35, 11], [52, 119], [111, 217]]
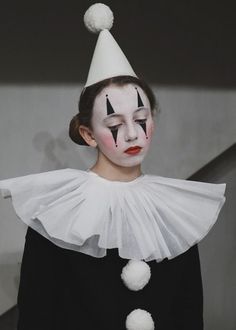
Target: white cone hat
[[108, 58]]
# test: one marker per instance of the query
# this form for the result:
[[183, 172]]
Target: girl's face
[[121, 120]]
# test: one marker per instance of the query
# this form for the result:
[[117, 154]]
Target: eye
[[141, 121], [115, 127]]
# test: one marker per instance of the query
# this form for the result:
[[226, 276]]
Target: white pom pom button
[[139, 319], [136, 274], [98, 17]]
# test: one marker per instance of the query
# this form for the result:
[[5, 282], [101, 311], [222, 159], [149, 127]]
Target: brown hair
[[88, 96]]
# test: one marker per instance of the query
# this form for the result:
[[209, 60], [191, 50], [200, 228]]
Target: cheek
[[106, 140]]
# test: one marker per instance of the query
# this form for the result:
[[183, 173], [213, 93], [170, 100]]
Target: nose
[[131, 132]]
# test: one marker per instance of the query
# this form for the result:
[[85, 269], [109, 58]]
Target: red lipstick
[[133, 150]]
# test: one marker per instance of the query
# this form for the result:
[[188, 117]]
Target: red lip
[[133, 150]]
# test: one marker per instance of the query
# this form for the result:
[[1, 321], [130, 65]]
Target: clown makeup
[[121, 120]]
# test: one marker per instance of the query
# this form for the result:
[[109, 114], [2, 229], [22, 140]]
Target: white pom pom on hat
[[136, 274], [139, 319], [108, 59], [98, 17]]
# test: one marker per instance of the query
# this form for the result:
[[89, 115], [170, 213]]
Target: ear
[[87, 135]]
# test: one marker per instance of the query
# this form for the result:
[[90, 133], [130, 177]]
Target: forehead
[[122, 98]]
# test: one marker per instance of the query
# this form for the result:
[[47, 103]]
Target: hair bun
[[74, 131]]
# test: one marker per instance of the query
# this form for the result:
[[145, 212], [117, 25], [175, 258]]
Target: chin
[[129, 162]]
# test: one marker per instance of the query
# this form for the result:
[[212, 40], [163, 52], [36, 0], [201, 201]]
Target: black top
[[62, 289]]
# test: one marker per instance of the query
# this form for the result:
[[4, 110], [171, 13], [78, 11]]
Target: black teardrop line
[[140, 102], [144, 128], [110, 110], [114, 134]]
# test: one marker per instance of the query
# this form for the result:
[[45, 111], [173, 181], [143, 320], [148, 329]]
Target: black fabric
[[62, 289]]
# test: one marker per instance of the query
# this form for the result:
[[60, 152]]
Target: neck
[[113, 172]]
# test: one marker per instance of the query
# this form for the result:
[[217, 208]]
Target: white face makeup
[[122, 119]]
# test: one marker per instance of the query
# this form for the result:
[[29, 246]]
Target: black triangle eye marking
[[140, 102], [144, 127], [110, 109], [114, 134]]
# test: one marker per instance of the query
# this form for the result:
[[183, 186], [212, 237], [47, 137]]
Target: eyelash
[[140, 121]]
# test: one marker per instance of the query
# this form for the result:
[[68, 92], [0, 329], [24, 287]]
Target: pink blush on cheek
[[108, 141]]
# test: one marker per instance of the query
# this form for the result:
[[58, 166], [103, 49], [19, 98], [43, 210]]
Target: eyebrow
[[119, 115]]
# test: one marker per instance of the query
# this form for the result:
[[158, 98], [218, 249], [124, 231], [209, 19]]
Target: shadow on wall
[[57, 151], [8, 321], [214, 170]]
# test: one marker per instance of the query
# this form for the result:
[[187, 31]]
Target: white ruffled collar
[[149, 218]]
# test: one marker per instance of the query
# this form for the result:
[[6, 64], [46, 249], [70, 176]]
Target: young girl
[[112, 247]]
